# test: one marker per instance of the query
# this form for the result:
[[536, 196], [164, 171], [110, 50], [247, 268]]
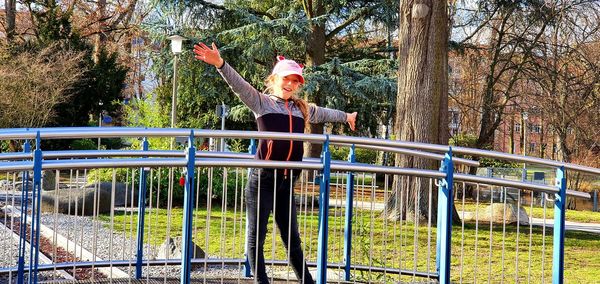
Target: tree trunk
[[422, 104], [11, 8], [512, 134], [315, 56], [101, 37]]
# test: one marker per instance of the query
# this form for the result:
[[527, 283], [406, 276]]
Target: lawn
[[478, 256], [538, 212]]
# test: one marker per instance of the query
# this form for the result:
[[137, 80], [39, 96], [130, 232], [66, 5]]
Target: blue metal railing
[[444, 220], [141, 216], [23, 219], [558, 253], [348, 217], [188, 207], [444, 216], [323, 214]]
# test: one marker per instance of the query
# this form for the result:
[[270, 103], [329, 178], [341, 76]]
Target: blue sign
[[106, 119]]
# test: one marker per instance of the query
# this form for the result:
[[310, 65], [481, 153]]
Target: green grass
[[538, 212], [373, 235]]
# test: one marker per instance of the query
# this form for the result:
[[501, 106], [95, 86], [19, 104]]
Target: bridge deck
[[170, 281]]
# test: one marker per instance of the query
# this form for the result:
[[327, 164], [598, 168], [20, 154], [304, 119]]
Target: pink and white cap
[[285, 67]]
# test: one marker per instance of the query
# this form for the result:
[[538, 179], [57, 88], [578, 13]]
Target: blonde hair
[[302, 104]]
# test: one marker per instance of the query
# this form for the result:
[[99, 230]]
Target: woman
[[276, 109]]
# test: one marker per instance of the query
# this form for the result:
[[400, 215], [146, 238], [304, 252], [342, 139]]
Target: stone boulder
[[496, 213], [81, 200], [306, 200], [171, 249], [48, 180]]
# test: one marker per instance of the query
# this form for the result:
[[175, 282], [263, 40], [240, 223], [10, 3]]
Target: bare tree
[[421, 105], [10, 26], [567, 75], [32, 84]]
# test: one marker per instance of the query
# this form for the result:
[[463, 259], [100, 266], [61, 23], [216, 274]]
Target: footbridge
[[149, 215]]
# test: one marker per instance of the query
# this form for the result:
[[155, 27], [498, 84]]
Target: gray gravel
[[123, 247], [10, 246], [96, 237], [9, 256]]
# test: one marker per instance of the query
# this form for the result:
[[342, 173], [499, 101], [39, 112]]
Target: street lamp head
[[525, 115], [176, 43]]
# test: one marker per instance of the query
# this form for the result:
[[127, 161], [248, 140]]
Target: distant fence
[[544, 176], [149, 214]]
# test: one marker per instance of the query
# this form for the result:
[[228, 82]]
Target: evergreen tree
[[344, 68]]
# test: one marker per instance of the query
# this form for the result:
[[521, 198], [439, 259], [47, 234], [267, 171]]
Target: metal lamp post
[[222, 111], [100, 121], [525, 117], [176, 44]]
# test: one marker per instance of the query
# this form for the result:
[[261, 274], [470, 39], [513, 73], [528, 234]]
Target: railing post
[[36, 210], [444, 219], [323, 214], [595, 209], [558, 248], [141, 216], [247, 268], [23, 219], [348, 222], [188, 212]]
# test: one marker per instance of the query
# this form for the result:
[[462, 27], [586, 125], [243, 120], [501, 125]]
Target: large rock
[[171, 249], [496, 213], [48, 180], [81, 200], [306, 200]]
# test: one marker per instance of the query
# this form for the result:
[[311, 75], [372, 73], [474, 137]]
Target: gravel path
[[96, 237], [10, 246], [9, 256]]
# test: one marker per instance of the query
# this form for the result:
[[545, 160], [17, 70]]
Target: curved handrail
[[245, 163], [113, 132], [202, 154], [235, 159]]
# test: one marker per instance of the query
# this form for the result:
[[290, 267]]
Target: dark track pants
[[275, 194]]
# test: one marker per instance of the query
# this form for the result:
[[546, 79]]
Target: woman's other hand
[[351, 119], [208, 54]]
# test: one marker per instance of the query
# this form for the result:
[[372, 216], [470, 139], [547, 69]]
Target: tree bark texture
[[315, 56], [101, 37], [11, 9], [422, 104]]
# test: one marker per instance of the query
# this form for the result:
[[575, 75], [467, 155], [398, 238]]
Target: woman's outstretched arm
[[248, 94], [321, 114]]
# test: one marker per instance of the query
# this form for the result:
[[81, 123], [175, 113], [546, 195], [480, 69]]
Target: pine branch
[[364, 11], [223, 8]]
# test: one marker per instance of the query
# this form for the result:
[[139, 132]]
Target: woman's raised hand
[[351, 119], [208, 55]]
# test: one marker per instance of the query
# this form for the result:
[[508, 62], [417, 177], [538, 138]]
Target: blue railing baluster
[[444, 219], [23, 219], [141, 216], [35, 160], [37, 201], [558, 249], [348, 221], [188, 212], [323, 214], [595, 208], [247, 268]]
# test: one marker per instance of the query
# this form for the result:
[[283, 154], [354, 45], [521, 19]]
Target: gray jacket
[[275, 114]]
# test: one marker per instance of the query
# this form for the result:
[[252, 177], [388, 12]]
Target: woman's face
[[286, 86]]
